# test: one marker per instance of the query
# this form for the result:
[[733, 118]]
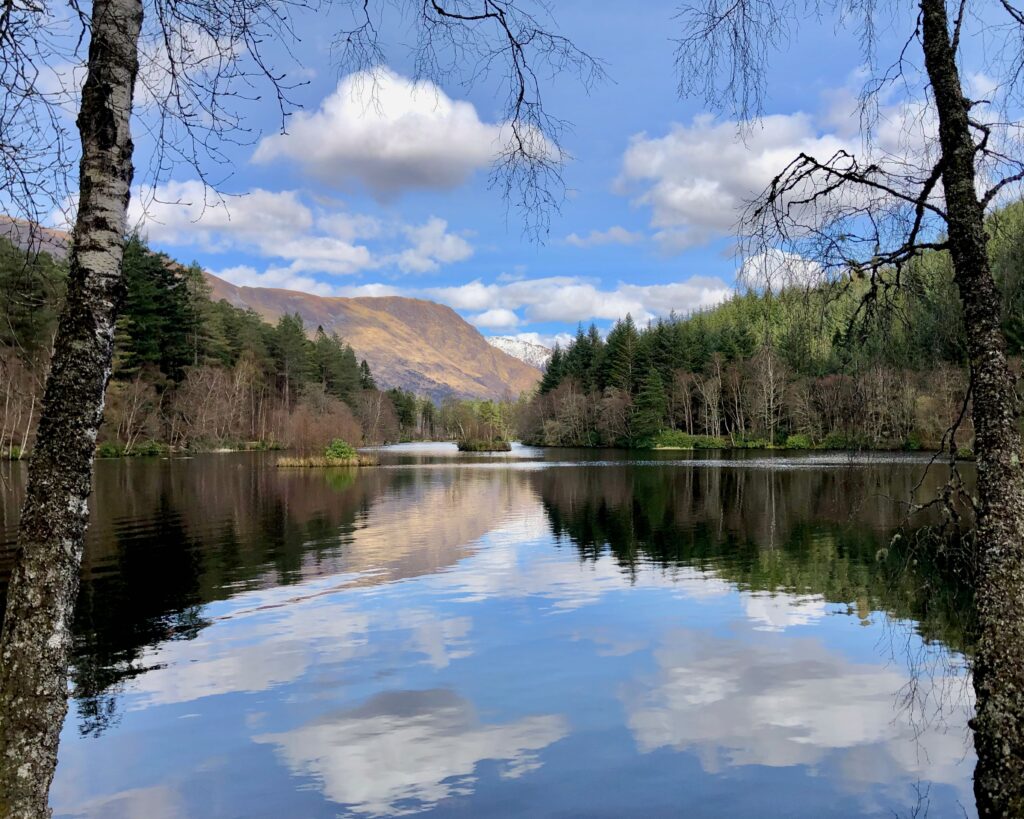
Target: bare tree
[[181, 64], [857, 221]]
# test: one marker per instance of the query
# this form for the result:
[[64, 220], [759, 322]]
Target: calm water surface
[[540, 634]]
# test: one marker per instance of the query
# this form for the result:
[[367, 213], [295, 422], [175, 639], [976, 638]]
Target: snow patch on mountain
[[536, 355]]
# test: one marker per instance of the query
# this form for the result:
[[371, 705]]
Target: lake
[[543, 633]]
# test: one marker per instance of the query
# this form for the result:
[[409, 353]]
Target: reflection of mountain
[[430, 523], [169, 537], [817, 532], [404, 751]]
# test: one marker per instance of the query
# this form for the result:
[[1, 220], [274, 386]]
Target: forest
[[837, 367], [193, 374]]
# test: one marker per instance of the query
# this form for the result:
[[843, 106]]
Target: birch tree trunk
[[36, 639], [999, 663]]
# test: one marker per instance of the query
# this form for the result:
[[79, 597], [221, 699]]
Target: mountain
[[414, 344], [536, 355], [27, 236], [410, 343]]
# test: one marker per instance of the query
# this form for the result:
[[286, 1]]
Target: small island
[[482, 445], [337, 453]]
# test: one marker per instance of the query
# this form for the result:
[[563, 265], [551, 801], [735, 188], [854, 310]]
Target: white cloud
[[244, 275], [616, 234], [498, 317], [280, 225], [697, 178], [574, 299], [777, 270], [389, 133], [188, 213], [432, 247]]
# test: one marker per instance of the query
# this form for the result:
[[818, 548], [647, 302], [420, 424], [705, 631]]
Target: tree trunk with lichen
[[999, 662], [34, 648]]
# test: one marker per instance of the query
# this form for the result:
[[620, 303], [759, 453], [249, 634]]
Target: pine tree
[[554, 371], [649, 407], [292, 355], [621, 351], [366, 380]]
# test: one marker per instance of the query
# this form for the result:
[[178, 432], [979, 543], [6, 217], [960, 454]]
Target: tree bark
[[999, 662], [34, 648]]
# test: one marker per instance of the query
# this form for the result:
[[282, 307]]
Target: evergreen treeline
[[826, 367], [193, 373]]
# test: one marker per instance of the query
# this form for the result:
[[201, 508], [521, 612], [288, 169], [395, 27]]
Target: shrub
[[109, 449], [913, 442], [799, 441], [677, 439], [339, 450], [837, 440]]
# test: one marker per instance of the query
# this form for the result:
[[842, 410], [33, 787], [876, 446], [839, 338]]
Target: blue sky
[[392, 198]]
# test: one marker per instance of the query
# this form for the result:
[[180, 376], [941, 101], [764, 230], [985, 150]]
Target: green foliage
[[110, 449], [649, 407], [799, 441], [841, 366], [676, 439], [159, 320], [340, 450], [366, 380], [31, 289]]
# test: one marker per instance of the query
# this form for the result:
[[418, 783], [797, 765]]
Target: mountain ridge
[[410, 343], [414, 344]]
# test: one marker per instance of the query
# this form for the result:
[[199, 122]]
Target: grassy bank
[[676, 439]]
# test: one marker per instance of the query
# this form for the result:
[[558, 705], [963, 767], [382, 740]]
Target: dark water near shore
[[545, 633]]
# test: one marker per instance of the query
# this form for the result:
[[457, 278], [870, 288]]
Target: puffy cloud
[[697, 178], [496, 318], [432, 247], [615, 235], [246, 276], [574, 299], [280, 225], [389, 133], [189, 213], [777, 270]]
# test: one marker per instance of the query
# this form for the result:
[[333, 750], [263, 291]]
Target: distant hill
[[536, 355], [32, 237], [410, 343]]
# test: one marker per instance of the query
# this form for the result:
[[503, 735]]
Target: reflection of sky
[[502, 675]]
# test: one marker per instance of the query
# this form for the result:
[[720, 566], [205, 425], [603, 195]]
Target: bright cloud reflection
[[404, 751]]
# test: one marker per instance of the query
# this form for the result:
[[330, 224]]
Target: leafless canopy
[[853, 215]]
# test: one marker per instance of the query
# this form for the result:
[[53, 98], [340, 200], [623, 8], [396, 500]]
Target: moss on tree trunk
[[999, 664]]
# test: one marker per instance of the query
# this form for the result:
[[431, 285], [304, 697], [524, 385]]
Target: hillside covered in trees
[[194, 373], [818, 366]]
